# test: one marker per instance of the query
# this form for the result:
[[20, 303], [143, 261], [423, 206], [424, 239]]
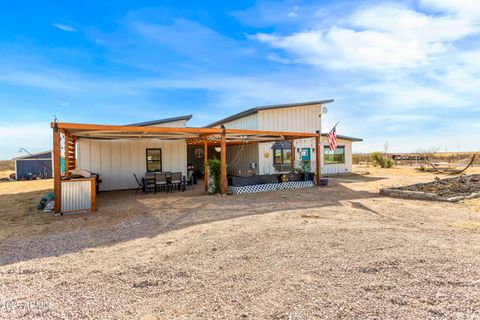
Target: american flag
[[332, 138]]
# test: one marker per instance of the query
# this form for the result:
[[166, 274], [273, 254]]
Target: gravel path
[[329, 253]]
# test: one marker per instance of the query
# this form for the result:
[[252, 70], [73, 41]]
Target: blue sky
[[404, 71]]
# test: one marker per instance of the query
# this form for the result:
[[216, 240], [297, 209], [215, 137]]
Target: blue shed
[[38, 164]]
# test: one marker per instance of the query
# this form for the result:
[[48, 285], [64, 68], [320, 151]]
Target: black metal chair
[[139, 184]]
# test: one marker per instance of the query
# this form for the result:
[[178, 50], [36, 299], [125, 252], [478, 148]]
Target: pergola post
[[205, 163], [223, 163], [317, 159], [57, 170], [292, 152]]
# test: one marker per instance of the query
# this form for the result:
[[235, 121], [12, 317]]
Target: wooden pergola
[[205, 137]]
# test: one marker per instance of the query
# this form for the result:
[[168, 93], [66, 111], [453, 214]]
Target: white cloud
[[63, 103], [275, 57], [341, 48], [379, 37], [469, 9], [64, 27]]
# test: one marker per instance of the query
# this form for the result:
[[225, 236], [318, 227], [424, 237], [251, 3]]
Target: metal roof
[[149, 123], [31, 155], [345, 137], [286, 144], [260, 108]]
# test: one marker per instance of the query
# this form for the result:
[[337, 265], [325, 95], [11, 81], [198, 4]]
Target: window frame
[[153, 161], [326, 148], [282, 156]]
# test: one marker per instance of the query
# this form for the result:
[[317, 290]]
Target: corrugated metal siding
[[296, 119], [239, 158], [247, 123], [36, 167], [76, 195], [266, 162], [117, 160], [338, 168]]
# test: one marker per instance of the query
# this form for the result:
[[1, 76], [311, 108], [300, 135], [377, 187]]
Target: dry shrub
[[7, 165]]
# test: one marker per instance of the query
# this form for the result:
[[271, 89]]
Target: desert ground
[[342, 251]]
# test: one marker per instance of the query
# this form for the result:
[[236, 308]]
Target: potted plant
[[304, 169]]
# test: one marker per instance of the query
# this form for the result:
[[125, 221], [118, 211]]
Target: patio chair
[[139, 184], [149, 182], [161, 180], [176, 179]]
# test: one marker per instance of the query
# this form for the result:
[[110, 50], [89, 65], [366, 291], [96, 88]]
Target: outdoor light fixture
[[218, 149]]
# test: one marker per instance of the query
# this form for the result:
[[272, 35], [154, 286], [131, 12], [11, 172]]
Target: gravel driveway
[[340, 252]]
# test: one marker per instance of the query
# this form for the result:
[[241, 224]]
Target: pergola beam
[[77, 128], [193, 136]]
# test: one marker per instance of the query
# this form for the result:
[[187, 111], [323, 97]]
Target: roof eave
[[160, 121], [339, 136]]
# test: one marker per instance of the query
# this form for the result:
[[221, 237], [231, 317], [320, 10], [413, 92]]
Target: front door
[[305, 154]]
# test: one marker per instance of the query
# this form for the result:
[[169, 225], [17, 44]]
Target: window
[[282, 156], [334, 157], [154, 160], [282, 159]]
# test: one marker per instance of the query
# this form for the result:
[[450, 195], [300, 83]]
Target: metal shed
[[34, 165]]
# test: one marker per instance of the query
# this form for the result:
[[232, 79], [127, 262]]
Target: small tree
[[214, 173]]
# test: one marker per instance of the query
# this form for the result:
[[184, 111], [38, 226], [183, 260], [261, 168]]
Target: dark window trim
[[327, 148], [153, 161]]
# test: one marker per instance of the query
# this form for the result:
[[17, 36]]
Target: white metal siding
[[239, 158], [265, 165], [342, 167], [295, 119], [117, 160], [246, 123], [76, 195]]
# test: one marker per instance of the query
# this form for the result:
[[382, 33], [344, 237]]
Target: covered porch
[[219, 138]]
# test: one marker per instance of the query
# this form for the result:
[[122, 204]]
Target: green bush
[[388, 163], [305, 166], [214, 172], [379, 160]]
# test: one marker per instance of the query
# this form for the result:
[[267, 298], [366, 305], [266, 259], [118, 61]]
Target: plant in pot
[[304, 169]]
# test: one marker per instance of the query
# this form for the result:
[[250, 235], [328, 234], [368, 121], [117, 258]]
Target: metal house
[[34, 165]]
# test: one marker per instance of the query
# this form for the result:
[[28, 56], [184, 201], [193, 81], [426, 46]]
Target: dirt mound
[[450, 187]]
